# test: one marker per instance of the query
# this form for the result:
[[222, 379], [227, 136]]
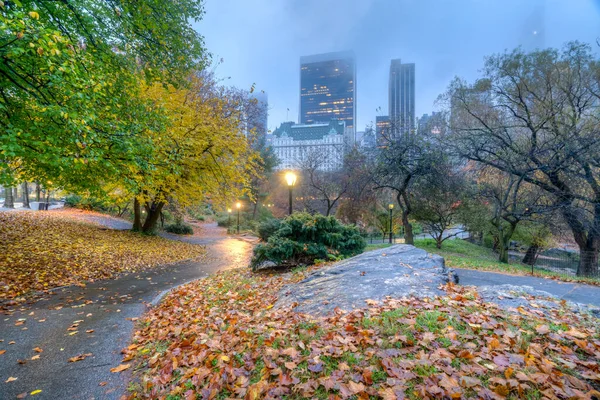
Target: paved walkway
[[575, 292], [107, 310]]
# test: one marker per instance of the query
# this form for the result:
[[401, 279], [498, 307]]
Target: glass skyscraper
[[328, 88], [402, 96]]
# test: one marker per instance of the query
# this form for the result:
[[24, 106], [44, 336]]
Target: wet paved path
[[575, 292], [105, 309]]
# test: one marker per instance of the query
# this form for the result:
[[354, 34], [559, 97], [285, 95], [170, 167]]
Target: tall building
[[328, 89], [402, 96], [296, 143], [258, 114]]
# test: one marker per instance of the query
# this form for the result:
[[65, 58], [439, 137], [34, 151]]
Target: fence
[[560, 261], [375, 238]]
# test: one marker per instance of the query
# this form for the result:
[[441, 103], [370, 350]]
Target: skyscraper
[[328, 88], [402, 96], [258, 114]]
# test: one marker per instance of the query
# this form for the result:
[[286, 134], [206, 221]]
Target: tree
[[25, 189], [9, 201], [68, 69], [400, 162], [359, 197], [535, 116], [201, 152], [438, 203], [324, 186], [512, 202]]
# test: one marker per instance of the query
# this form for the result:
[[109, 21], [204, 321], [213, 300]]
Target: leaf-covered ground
[[42, 250], [220, 338]]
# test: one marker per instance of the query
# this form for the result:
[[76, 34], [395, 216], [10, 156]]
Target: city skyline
[[263, 41]]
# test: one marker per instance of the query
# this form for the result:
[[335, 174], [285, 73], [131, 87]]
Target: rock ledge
[[397, 271]]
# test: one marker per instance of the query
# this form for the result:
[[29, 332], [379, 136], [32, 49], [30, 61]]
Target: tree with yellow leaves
[[200, 153]]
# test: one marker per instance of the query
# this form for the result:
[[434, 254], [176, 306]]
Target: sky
[[260, 42]]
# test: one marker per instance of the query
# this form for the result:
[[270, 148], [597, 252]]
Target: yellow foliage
[[202, 153]]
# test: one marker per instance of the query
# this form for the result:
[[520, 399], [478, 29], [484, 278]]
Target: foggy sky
[[261, 41]]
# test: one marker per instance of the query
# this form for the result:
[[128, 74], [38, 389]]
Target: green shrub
[[72, 200], [267, 228], [303, 238], [180, 228], [225, 220], [86, 203]]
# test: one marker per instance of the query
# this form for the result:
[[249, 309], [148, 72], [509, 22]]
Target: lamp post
[[391, 207], [290, 177], [238, 205], [229, 218]]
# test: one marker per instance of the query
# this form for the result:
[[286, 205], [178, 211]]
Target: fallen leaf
[[80, 357], [120, 368], [11, 379]]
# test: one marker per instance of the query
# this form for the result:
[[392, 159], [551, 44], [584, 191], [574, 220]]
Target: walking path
[[97, 319], [575, 292]]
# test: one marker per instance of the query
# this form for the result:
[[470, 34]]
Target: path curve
[[570, 291], [109, 308]]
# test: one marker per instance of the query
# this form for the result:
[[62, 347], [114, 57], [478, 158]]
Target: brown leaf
[[37, 350], [80, 357], [10, 379], [120, 368]]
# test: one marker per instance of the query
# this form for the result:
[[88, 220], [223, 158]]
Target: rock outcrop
[[397, 271]]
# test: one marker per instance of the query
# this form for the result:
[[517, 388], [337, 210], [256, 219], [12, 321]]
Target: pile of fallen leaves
[[40, 251], [221, 337]]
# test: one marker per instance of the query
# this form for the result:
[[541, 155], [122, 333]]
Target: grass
[[376, 246], [463, 254], [222, 334]]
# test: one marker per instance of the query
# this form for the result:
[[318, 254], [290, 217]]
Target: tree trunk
[[16, 194], [504, 236], [9, 201], [588, 263], [38, 192], [531, 254], [254, 209], [408, 229], [438, 240], [25, 195], [588, 241], [153, 213], [137, 215]]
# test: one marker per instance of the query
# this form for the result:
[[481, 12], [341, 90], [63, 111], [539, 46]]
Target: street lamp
[[290, 177], [229, 218], [238, 205], [391, 207]]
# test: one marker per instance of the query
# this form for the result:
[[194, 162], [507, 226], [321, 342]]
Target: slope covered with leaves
[[40, 251], [220, 337]]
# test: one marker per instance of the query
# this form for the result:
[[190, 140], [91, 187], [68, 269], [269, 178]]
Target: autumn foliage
[[41, 251], [221, 337]]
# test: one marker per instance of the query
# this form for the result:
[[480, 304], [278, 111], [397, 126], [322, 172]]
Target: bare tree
[[400, 162], [321, 183], [536, 116], [438, 208]]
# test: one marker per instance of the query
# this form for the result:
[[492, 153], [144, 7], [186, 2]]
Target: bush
[[180, 228], [72, 200], [303, 238], [86, 203], [268, 228], [224, 220]]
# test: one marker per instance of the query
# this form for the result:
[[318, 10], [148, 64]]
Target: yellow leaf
[[35, 392], [120, 368], [34, 15]]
